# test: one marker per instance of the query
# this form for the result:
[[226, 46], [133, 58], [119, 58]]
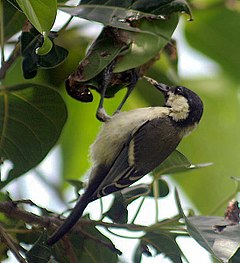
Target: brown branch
[[11, 245], [11, 209]]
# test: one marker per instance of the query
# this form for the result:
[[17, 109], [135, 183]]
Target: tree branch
[[11, 245]]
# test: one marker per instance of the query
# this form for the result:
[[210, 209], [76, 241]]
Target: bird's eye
[[179, 90]]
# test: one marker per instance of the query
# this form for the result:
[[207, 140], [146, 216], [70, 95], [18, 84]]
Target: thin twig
[[11, 245], [7, 64], [51, 222], [138, 210], [122, 236], [12, 210]]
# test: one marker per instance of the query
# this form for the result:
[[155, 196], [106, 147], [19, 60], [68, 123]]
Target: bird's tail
[[70, 221]]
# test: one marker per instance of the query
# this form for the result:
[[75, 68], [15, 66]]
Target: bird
[[132, 143]]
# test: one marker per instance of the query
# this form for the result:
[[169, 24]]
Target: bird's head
[[186, 107]]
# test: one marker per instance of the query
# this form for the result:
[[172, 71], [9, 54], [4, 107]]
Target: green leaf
[[175, 163], [128, 49], [103, 50], [46, 46], [153, 36], [162, 242], [40, 252], [118, 211], [13, 20], [221, 245], [117, 13], [31, 120], [40, 13]]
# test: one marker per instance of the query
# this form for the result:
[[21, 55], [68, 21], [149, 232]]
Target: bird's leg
[[106, 80], [133, 81]]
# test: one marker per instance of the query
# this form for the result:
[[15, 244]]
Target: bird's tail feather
[[71, 220]]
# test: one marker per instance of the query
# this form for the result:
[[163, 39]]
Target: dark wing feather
[[152, 143]]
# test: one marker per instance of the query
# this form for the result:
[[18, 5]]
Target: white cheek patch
[[179, 106]]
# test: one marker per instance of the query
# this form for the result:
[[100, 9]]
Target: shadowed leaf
[[119, 13], [118, 211], [40, 252], [163, 243], [31, 120]]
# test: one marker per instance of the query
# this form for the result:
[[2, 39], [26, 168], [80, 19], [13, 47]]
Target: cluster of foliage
[[33, 113]]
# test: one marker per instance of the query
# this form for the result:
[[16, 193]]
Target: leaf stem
[[156, 195], [2, 32], [101, 209], [138, 210], [122, 236]]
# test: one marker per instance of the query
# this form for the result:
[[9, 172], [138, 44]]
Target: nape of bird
[[132, 144]]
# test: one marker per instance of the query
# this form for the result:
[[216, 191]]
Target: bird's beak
[[160, 86]]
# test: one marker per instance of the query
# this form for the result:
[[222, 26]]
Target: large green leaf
[[31, 120], [40, 13], [117, 13], [147, 44]]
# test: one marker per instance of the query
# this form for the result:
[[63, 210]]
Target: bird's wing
[[146, 148]]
